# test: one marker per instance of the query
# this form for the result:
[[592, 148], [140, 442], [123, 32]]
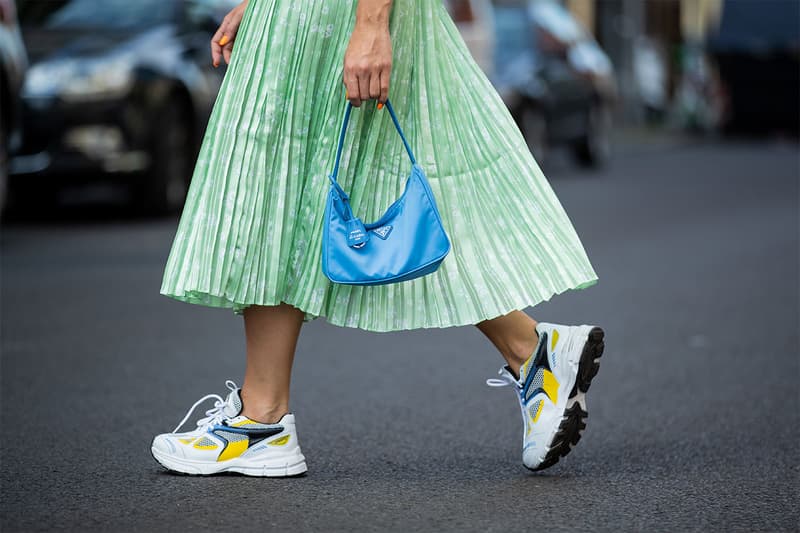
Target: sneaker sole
[[294, 465], [575, 413]]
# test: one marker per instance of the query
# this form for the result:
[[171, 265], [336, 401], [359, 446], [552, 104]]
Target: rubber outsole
[[575, 414], [187, 468]]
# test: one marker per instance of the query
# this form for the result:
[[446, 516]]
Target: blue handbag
[[407, 242]]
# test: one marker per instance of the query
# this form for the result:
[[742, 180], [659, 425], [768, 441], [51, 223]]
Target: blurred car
[[13, 63], [757, 50], [555, 79], [117, 91], [473, 18]]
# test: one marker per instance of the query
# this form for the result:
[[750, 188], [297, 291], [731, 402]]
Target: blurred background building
[[85, 97], [700, 64]]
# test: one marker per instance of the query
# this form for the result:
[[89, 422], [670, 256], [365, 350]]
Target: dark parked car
[[119, 91], [757, 49], [13, 62], [555, 79]]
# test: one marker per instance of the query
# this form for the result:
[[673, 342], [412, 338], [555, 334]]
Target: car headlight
[[80, 79], [44, 79]]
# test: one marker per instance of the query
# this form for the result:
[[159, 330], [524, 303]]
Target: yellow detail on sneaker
[[206, 446], [234, 449], [187, 441], [246, 422], [550, 385], [280, 441], [533, 410], [527, 366], [538, 412], [555, 340]]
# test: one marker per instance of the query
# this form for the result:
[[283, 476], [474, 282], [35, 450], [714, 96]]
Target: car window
[[95, 13]]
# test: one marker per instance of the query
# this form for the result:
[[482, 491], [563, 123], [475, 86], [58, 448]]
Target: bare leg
[[514, 335], [271, 334]]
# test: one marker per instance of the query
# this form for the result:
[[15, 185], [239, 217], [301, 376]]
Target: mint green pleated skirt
[[250, 231]]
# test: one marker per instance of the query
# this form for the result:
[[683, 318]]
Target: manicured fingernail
[[224, 40], [216, 65], [380, 105], [345, 94]]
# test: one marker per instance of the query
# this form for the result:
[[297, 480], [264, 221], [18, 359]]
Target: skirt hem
[[219, 301]]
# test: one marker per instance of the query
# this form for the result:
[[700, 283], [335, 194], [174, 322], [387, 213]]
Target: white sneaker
[[551, 390], [226, 441]]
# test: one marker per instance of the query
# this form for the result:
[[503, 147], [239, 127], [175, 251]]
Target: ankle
[[519, 351], [267, 415], [260, 409]]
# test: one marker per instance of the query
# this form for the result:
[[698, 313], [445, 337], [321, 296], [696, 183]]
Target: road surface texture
[[692, 419]]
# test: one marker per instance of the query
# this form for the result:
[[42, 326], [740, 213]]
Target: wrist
[[373, 14], [373, 25]]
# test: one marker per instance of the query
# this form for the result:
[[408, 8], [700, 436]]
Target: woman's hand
[[368, 63], [222, 42]]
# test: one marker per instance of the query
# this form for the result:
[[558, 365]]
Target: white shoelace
[[504, 380], [213, 416]]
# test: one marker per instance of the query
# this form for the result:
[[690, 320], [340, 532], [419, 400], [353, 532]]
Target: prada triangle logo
[[383, 232]]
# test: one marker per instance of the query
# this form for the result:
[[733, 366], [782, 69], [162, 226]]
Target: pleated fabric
[[250, 231]]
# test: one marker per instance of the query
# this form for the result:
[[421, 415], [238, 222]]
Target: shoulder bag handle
[[349, 107]]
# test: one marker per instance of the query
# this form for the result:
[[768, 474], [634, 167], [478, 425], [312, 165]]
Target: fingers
[[375, 86], [222, 41], [221, 47], [357, 90], [216, 49], [227, 50], [352, 91], [369, 86], [384, 87], [368, 56], [363, 86]]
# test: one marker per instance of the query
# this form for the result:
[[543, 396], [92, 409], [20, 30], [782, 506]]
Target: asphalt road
[[693, 418]]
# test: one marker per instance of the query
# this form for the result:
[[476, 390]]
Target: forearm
[[373, 13]]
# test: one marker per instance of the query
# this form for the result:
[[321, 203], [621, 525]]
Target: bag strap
[[349, 107]]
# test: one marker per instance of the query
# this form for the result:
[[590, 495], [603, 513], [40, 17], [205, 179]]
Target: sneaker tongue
[[233, 404], [523, 372]]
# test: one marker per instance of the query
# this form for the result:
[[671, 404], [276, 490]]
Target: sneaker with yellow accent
[[226, 441], [551, 390]]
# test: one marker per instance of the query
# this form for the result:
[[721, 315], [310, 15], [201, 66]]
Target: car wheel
[[594, 148], [165, 186], [534, 127]]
